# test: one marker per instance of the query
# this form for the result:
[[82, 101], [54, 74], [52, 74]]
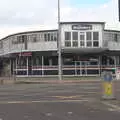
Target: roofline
[[82, 22], [28, 32], [111, 30]]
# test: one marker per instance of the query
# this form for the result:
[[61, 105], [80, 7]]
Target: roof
[[112, 30], [82, 22], [28, 32]]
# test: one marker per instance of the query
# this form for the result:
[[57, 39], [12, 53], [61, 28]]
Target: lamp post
[[59, 45], [119, 10]]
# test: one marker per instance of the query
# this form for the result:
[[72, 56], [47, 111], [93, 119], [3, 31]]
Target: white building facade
[[87, 50]]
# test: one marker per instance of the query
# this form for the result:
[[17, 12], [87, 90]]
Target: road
[[81, 101]]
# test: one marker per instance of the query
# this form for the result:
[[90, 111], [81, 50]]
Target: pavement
[[78, 101]]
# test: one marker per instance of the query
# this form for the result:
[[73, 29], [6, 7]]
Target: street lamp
[[59, 45]]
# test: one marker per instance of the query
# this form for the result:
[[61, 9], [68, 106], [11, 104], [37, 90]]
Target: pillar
[[42, 65], [27, 66], [16, 66], [10, 67], [99, 65], [75, 68], [50, 62], [115, 63]]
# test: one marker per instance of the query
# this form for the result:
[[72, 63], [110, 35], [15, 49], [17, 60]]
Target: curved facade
[[87, 49]]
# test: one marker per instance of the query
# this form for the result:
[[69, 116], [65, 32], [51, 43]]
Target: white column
[[59, 45], [99, 65], [50, 62], [16, 66], [27, 66], [108, 62], [42, 65], [10, 67], [75, 68], [13, 66], [115, 64]]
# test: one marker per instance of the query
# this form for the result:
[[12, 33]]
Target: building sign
[[24, 54], [82, 27]]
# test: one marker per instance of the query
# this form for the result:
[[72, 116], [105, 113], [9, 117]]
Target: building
[[87, 50]]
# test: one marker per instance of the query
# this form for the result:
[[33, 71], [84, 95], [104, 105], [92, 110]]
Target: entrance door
[[81, 68]]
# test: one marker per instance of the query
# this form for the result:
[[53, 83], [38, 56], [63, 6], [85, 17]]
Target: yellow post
[[108, 86]]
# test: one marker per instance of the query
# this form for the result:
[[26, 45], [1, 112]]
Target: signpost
[[108, 86]]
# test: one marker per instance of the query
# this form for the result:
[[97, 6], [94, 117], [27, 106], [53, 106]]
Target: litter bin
[[108, 86]]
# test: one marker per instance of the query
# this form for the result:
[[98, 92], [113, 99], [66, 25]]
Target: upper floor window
[[55, 36], [1, 44], [67, 35], [14, 40], [45, 37], [34, 38], [115, 37], [82, 36], [95, 35], [21, 39], [75, 35], [96, 44], [50, 36], [88, 36]]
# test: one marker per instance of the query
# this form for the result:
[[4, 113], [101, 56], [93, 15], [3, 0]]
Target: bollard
[[108, 86]]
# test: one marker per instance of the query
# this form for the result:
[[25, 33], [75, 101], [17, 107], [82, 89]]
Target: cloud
[[26, 15]]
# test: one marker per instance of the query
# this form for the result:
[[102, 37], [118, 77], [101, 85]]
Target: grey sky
[[24, 15]]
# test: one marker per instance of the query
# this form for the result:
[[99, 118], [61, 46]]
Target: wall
[[109, 40], [39, 45], [95, 27]]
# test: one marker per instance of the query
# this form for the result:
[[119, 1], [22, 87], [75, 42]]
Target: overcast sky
[[26, 15]]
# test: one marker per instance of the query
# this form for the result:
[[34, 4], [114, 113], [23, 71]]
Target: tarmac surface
[[63, 101]]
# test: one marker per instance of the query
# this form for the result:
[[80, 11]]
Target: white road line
[[41, 101], [112, 107]]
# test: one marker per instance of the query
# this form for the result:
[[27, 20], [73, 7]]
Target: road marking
[[68, 97], [113, 107], [42, 101]]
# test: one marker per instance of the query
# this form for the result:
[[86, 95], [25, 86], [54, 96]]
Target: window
[[20, 39], [115, 37], [55, 36], [75, 35], [48, 36], [46, 61], [82, 39], [75, 44], [88, 36], [82, 36], [96, 44], [14, 41], [51, 36], [34, 38], [45, 37], [1, 44], [67, 44], [82, 43], [89, 43], [95, 36], [22, 61], [67, 35]]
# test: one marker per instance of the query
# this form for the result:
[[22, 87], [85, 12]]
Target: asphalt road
[[81, 101]]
